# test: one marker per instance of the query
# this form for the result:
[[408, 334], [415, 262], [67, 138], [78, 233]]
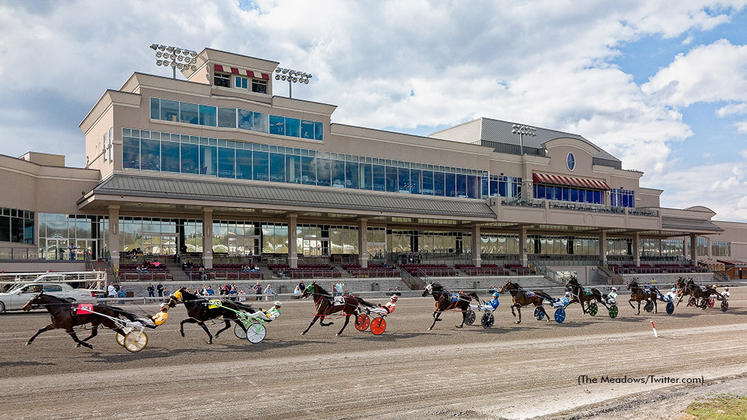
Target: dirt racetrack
[[508, 371]]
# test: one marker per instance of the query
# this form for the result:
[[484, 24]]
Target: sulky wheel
[[691, 301], [470, 318], [613, 311], [711, 302], [649, 306], [724, 305], [593, 308], [361, 322], [487, 320], [540, 315], [670, 308], [135, 341], [120, 338], [559, 315], [378, 326], [239, 331], [256, 332]]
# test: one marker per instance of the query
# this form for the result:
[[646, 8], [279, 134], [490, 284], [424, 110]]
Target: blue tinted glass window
[[188, 113], [170, 156], [150, 155], [598, 197], [415, 175], [227, 117], [226, 162], [351, 175], [246, 119], [338, 173], [450, 185], [502, 186], [318, 131], [391, 179], [261, 122], [131, 153], [261, 166], [190, 158], [208, 115], [308, 170], [292, 127], [403, 184], [461, 181], [438, 184], [366, 178], [493, 189], [566, 194], [323, 172], [307, 129], [169, 110], [243, 164], [427, 182], [293, 169], [277, 167], [472, 190], [379, 178], [240, 82], [574, 195], [208, 160], [155, 108], [277, 125]]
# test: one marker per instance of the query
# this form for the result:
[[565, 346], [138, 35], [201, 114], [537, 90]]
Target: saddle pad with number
[[455, 297], [214, 303], [83, 309], [338, 300]]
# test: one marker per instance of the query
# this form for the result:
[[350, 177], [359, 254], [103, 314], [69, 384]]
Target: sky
[[660, 84]]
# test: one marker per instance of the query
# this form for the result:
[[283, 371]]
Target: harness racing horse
[[523, 297], [638, 294], [445, 300], [61, 313], [200, 310], [585, 296], [326, 305], [698, 292]]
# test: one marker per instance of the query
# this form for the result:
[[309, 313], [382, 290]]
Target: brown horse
[[699, 294], [200, 310], [638, 294], [523, 297], [325, 305], [64, 316], [584, 296], [445, 300]]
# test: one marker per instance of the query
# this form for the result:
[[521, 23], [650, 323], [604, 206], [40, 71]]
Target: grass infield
[[720, 407]]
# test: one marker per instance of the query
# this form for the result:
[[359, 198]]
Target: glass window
[[539, 192], [190, 158], [259, 86], [208, 160], [293, 169], [155, 108], [261, 166], [226, 162], [246, 119], [318, 131], [240, 82], [277, 125], [307, 129], [438, 184], [351, 175], [428, 182], [391, 179], [130, 153], [277, 167], [461, 186], [261, 122], [472, 182], [323, 172], [150, 155], [227, 117], [188, 113], [366, 176], [415, 175], [566, 194], [222, 80], [292, 127], [243, 164], [450, 184], [379, 178], [169, 156], [208, 115], [169, 110], [338, 173], [308, 170], [404, 180], [4, 229]]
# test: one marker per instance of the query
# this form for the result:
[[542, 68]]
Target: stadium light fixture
[[523, 130], [292, 76], [175, 57]]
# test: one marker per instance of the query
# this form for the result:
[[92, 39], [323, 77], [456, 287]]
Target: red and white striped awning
[[242, 72], [570, 181]]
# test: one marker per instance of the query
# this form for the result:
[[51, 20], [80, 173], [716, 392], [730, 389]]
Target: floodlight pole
[[523, 130], [175, 57], [292, 76]]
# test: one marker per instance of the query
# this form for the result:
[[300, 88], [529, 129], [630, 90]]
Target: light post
[[523, 130], [175, 57], [292, 76]]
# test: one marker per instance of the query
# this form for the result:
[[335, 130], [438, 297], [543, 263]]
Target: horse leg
[[198, 322], [228, 325], [321, 322], [464, 316], [204, 327], [47, 328], [547, 317], [512, 311], [630, 302], [639, 308], [95, 331], [347, 319], [518, 309], [656, 310], [77, 340], [436, 314], [313, 321]]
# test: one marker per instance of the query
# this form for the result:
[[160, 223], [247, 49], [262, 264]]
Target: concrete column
[[476, 246], [636, 249], [603, 248], [523, 246], [363, 243], [693, 249], [207, 237], [113, 244], [709, 248], [292, 241]]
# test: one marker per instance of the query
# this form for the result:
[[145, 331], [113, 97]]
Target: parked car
[[18, 295]]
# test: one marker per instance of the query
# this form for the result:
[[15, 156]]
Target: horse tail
[[544, 295], [474, 296], [366, 303], [122, 312]]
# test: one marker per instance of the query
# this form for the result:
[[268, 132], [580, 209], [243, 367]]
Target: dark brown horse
[[583, 295], [699, 294], [325, 305], [523, 297], [445, 300], [200, 309], [638, 294], [64, 316]]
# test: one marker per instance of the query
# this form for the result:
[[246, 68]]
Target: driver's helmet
[[614, 289], [496, 295], [674, 289], [394, 298], [278, 303], [715, 286]]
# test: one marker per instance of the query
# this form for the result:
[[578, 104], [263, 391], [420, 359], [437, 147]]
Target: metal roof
[[694, 225]]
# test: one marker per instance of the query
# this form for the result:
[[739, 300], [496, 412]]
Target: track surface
[[509, 371]]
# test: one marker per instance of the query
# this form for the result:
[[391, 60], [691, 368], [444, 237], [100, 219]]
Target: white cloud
[[741, 126], [732, 109]]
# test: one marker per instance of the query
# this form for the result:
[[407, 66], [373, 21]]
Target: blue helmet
[[496, 295]]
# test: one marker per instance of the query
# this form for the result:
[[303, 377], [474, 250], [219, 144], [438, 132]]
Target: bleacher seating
[[435, 270], [144, 272], [484, 270], [373, 270], [305, 271]]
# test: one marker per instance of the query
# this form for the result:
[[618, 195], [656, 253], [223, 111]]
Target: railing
[[91, 279], [552, 275], [17, 253], [522, 202]]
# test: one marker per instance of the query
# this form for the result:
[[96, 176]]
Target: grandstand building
[[217, 168]]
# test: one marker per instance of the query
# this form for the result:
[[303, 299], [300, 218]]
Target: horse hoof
[[517, 322], [458, 326], [337, 335]]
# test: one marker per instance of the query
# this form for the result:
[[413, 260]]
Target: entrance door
[[159, 244], [57, 249]]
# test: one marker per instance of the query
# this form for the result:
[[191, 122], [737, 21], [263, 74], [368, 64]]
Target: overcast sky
[[662, 85]]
